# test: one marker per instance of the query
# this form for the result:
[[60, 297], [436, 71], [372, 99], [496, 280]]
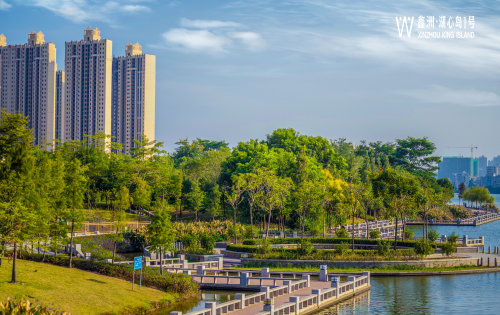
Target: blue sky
[[235, 70]]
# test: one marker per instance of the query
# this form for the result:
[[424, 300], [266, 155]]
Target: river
[[461, 294]]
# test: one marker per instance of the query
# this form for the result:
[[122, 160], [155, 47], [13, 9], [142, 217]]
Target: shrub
[[374, 234], [24, 306], [448, 248], [433, 235], [423, 248], [264, 248], [329, 240], [151, 277], [189, 242], [453, 238], [383, 247], [342, 248], [305, 248], [408, 234], [207, 242], [342, 233]]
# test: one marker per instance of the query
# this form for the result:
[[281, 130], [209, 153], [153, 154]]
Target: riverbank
[[78, 292], [402, 270]]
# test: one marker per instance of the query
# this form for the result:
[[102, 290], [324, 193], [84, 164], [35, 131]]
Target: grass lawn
[[76, 291], [402, 269]]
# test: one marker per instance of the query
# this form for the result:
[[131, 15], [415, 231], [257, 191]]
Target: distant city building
[[494, 161], [59, 104], [133, 101], [28, 83], [458, 169], [482, 164], [492, 178], [87, 108]]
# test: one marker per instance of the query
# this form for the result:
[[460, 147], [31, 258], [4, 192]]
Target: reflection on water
[[350, 306], [199, 302], [461, 294]]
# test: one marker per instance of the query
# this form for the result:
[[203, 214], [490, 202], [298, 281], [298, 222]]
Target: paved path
[[259, 307]]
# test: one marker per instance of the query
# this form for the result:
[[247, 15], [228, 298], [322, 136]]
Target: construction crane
[[472, 148]]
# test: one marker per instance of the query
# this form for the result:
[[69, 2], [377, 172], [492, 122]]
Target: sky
[[237, 70]]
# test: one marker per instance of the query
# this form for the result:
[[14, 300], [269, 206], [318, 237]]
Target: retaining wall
[[429, 263]]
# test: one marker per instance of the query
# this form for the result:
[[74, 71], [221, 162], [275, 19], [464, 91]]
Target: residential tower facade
[[133, 110], [28, 83], [87, 106]]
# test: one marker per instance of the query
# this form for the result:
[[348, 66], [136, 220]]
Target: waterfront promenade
[[285, 296]]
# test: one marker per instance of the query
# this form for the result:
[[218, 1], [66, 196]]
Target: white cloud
[[204, 24], [135, 8], [196, 40], [4, 5], [250, 39], [213, 36], [87, 10], [438, 94]]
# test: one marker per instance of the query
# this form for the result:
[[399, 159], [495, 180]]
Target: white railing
[[295, 305]]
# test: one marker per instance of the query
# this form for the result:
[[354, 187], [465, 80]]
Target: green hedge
[[325, 254], [293, 251], [151, 277], [319, 240]]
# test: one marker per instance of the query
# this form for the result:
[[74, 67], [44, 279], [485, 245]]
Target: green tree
[[269, 197], [309, 195], [461, 191], [195, 198], [160, 233], [121, 203], [16, 169], [415, 156], [252, 184], [141, 194], [397, 190], [75, 188], [234, 198]]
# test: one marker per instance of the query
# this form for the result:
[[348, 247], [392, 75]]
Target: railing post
[[323, 273], [318, 295], [264, 273], [293, 299], [200, 270], [266, 290], [335, 284], [289, 287], [211, 306], [352, 279], [221, 262], [186, 272], [243, 279], [367, 274], [241, 297], [308, 279]]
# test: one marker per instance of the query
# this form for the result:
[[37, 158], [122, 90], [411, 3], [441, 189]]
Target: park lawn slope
[[77, 291]]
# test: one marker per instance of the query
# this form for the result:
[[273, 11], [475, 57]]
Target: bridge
[[285, 293], [472, 221]]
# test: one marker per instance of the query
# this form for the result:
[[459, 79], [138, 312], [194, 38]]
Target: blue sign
[[137, 262]]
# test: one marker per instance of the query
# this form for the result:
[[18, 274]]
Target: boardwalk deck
[[288, 296]]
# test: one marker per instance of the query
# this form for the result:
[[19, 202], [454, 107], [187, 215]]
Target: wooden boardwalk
[[287, 296]]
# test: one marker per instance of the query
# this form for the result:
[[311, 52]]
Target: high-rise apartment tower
[[87, 106], [133, 97], [28, 82]]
